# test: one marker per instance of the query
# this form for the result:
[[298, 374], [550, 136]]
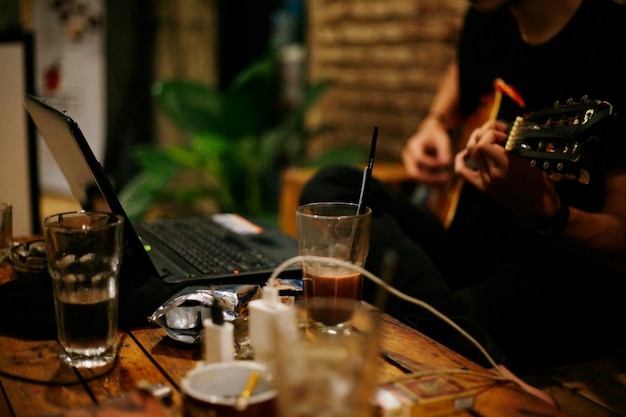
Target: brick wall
[[185, 48], [385, 58]]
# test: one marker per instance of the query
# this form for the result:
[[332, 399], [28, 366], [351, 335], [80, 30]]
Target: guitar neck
[[560, 140]]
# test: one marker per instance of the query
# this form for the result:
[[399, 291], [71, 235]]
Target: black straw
[[367, 174]]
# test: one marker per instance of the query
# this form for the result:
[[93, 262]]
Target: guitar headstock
[[560, 139]]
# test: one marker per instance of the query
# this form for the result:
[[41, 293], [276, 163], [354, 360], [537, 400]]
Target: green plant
[[238, 144]]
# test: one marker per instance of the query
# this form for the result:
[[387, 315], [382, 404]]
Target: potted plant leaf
[[237, 145]]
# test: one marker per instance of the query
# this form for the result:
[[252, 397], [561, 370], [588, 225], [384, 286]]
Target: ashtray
[[29, 257]]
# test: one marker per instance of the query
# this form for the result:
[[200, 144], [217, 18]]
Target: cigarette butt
[[242, 400]]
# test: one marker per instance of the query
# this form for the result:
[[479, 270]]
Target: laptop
[[248, 250]]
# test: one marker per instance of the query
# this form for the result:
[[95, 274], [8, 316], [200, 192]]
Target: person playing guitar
[[533, 264]]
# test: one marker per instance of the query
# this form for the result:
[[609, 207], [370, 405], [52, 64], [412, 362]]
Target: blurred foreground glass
[[6, 230], [84, 251], [332, 230], [321, 373]]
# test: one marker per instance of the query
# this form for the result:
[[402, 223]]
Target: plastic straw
[[367, 174]]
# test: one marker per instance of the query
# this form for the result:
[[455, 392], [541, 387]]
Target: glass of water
[[84, 251]]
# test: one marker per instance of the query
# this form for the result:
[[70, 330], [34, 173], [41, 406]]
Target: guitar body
[[444, 200]]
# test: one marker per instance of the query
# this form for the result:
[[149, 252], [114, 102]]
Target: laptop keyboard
[[209, 247]]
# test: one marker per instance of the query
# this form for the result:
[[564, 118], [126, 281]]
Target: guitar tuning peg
[[556, 104], [569, 101], [584, 99]]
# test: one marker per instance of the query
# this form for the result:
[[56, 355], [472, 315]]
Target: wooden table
[[35, 383]]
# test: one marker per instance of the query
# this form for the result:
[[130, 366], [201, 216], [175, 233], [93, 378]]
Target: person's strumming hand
[[504, 176], [427, 155]]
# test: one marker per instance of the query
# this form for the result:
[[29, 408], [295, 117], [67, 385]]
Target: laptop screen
[[84, 174], [60, 133]]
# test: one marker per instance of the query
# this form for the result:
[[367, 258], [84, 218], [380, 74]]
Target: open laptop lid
[[86, 177]]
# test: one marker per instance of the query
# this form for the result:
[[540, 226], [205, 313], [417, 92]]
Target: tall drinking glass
[[332, 230], [84, 251]]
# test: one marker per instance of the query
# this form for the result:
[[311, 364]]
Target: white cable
[[390, 289]]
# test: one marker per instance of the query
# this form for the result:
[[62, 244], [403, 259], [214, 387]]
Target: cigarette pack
[[423, 397], [289, 290]]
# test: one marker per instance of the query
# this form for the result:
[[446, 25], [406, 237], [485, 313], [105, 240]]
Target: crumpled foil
[[181, 316], [29, 257]]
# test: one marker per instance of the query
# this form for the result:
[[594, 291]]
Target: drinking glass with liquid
[[332, 231], [84, 251]]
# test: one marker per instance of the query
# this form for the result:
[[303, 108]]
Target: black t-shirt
[[584, 59]]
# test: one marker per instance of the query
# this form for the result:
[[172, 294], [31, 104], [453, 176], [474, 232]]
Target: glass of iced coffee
[[327, 232]]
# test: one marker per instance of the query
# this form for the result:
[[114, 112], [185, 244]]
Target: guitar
[[559, 140]]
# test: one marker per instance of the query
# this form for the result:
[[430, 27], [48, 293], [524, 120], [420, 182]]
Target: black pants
[[523, 318]]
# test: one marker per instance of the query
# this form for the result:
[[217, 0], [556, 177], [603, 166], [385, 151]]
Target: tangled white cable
[[299, 259]]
